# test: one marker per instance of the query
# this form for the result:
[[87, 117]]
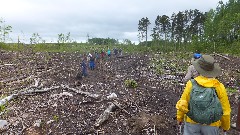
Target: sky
[[117, 19]]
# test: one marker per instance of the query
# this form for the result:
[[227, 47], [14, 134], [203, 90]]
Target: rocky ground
[[53, 101]]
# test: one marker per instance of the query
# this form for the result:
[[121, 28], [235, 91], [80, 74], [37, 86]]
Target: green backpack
[[204, 105]]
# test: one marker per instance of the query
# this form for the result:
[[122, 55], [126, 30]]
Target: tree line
[[220, 25]]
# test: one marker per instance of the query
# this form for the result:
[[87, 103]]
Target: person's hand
[[179, 122]]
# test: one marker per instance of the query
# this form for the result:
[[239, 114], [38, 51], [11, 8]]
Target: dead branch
[[222, 56], [32, 91], [7, 99], [115, 103], [105, 115], [95, 96], [7, 65]]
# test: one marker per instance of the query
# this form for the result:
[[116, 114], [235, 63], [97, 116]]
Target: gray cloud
[[116, 19]]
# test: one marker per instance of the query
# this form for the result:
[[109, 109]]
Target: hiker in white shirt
[[191, 71]]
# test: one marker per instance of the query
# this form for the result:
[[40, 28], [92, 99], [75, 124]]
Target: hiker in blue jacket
[[84, 68], [92, 63]]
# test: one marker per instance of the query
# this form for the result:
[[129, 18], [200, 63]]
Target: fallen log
[[25, 92], [95, 96], [105, 115]]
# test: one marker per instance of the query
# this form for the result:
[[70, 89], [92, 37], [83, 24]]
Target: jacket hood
[[207, 82]]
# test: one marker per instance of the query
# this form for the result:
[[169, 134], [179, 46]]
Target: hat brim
[[211, 74]]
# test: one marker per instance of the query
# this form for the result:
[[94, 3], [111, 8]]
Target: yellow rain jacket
[[182, 104]]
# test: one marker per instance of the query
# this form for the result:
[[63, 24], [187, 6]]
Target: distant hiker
[[96, 55], [115, 51], [120, 51], [204, 104], [102, 54], [191, 71], [109, 53], [92, 63], [84, 68], [89, 56]]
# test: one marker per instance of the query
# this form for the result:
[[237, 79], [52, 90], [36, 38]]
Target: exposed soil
[[147, 109]]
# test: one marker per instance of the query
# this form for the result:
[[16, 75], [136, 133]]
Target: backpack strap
[[193, 81], [194, 84]]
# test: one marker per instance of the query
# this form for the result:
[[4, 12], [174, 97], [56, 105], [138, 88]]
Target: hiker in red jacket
[[102, 54]]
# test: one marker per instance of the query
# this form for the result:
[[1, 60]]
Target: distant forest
[[220, 25]]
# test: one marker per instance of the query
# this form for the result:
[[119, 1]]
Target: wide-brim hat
[[206, 66]]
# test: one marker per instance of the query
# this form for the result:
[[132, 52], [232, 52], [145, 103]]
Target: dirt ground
[[147, 109]]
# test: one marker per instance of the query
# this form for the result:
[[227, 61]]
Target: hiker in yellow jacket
[[208, 70]]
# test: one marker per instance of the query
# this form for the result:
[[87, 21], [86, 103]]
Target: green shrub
[[130, 83], [2, 108], [231, 90], [55, 118]]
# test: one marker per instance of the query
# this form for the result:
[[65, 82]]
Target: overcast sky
[[116, 19]]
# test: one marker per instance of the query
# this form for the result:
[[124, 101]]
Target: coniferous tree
[[143, 28]]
